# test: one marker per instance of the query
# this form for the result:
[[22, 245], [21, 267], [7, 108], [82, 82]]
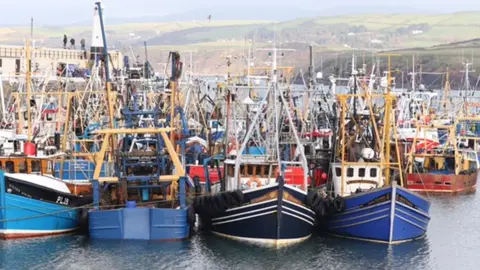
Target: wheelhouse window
[[350, 172], [373, 172], [22, 167], [10, 166], [338, 171], [230, 170], [263, 171], [361, 172], [36, 166], [250, 170]]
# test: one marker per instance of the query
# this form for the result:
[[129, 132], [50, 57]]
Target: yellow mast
[[342, 140], [387, 122], [386, 132]]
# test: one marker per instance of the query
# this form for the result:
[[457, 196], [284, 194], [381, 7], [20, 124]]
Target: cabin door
[[17, 65]]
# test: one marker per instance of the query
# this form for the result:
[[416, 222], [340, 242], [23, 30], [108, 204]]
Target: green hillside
[[437, 39], [389, 31]]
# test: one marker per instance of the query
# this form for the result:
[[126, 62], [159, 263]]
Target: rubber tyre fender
[[221, 203], [315, 198], [329, 207], [191, 216], [320, 209], [208, 207], [213, 206], [227, 198], [312, 194], [317, 201], [196, 203], [339, 204], [199, 205], [238, 197]]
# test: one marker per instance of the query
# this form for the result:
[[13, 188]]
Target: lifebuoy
[[254, 180]]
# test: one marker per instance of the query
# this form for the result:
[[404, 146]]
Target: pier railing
[[12, 51]]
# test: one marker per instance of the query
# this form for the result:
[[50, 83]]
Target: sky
[[61, 12]]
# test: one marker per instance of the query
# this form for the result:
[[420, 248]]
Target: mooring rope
[[43, 215]]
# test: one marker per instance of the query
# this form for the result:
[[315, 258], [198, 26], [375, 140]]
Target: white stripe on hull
[[254, 213], [300, 206], [297, 217], [277, 243], [249, 205], [244, 213], [298, 212], [15, 231], [376, 241], [242, 218]]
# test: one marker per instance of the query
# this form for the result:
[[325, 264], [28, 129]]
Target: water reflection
[[452, 242]]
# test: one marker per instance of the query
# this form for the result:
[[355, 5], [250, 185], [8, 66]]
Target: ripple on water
[[452, 243]]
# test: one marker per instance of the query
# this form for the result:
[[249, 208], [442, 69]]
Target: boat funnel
[[97, 47]]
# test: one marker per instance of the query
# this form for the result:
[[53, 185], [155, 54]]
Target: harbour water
[[452, 243]]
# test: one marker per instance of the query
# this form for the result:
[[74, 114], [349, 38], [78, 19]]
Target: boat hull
[[386, 215], [442, 183], [274, 216], [139, 224], [31, 211]]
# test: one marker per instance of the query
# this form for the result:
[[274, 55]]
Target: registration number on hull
[[62, 200]]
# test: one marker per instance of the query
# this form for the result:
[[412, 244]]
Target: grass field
[[331, 31], [218, 38]]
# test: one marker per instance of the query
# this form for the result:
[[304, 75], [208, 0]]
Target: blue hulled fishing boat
[[390, 214], [35, 205], [365, 198]]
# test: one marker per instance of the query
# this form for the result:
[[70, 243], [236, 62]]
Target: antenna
[[31, 29], [274, 34]]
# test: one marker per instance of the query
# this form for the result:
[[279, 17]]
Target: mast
[[107, 77], [191, 66], [28, 81], [248, 61], [176, 66], [386, 164], [311, 68], [146, 72], [272, 142], [446, 91], [2, 100], [413, 73]]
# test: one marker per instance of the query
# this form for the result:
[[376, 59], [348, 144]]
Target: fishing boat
[[449, 168], [34, 205], [146, 197], [259, 206], [364, 203], [413, 108]]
